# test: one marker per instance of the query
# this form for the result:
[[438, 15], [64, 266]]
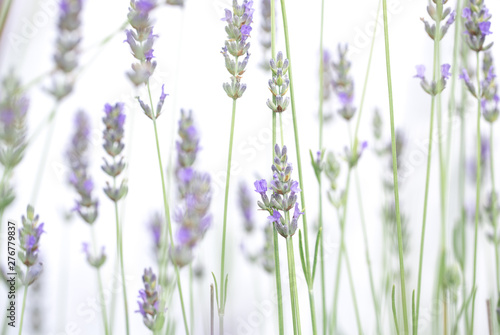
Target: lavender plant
[[238, 28], [265, 32], [29, 239], [477, 28], [13, 111], [113, 133], [282, 201], [141, 40], [87, 205], [151, 304]]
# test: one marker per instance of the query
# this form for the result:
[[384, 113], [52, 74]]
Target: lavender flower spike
[[477, 25], [283, 197], [245, 202], [79, 178], [343, 84], [151, 306], [438, 18], [434, 87], [489, 90], [29, 238], [279, 83], [238, 30]]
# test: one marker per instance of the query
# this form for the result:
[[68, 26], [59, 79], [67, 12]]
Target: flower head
[[151, 305], [343, 84]]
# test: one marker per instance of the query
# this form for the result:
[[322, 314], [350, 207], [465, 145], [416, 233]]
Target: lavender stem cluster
[[195, 194], [433, 87], [13, 112], [114, 120], [238, 30], [283, 197], [343, 83], [437, 14], [67, 46], [279, 84], [29, 238], [477, 25], [151, 306]]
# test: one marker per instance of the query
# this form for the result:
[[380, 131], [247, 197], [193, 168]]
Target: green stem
[[119, 243], [478, 187], [293, 286], [299, 162], [494, 199], [167, 216], [226, 197], [320, 188], [395, 171], [376, 305], [22, 310], [353, 290], [4, 13], [101, 287], [191, 298], [277, 268]]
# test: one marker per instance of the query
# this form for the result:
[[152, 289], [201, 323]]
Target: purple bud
[[465, 76], [445, 71], [485, 27], [420, 72], [261, 186], [466, 13], [275, 217], [451, 19]]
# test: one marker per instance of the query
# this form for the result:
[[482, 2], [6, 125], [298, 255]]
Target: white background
[[192, 69]]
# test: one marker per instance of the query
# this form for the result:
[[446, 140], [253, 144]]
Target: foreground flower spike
[[238, 30], [67, 46], [141, 40], [13, 111], [438, 15], [79, 178], [29, 238], [151, 305], [113, 145], [278, 85], [283, 197], [434, 87], [343, 84], [477, 25]]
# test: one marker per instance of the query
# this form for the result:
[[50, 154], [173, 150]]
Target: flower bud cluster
[[279, 84]]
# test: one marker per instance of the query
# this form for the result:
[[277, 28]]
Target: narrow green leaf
[[302, 258], [316, 247], [216, 292], [394, 309]]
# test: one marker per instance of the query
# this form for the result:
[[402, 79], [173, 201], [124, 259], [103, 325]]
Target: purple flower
[[145, 6], [275, 218], [465, 76], [151, 305], [451, 19], [295, 187], [29, 237], [185, 175], [261, 186], [445, 71], [420, 72], [297, 212], [485, 27], [229, 16], [345, 98], [245, 32], [466, 13]]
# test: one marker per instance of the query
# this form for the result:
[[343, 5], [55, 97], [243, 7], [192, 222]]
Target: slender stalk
[[191, 298], [320, 186], [277, 267], [478, 187], [293, 287], [101, 287], [299, 162], [22, 310], [226, 197], [119, 245], [376, 305], [167, 215], [395, 171], [353, 290], [494, 200], [45, 153], [4, 14]]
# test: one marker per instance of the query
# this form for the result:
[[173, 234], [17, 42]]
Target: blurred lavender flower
[[343, 84], [29, 238], [141, 40], [113, 144], [489, 88], [155, 225], [438, 15], [352, 157], [68, 40], [278, 85], [245, 202], [151, 305], [192, 214], [485, 156], [491, 205], [13, 111], [265, 36], [283, 197], [238, 30], [434, 87], [327, 74], [96, 260], [477, 25], [77, 156]]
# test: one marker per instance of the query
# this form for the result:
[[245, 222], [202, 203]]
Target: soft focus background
[[192, 69]]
